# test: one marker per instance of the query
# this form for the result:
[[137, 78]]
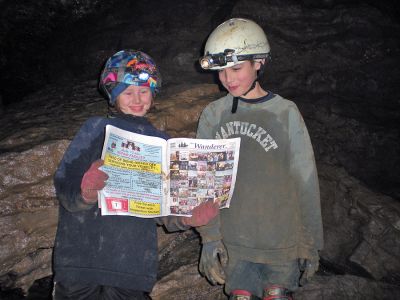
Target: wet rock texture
[[337, 61]]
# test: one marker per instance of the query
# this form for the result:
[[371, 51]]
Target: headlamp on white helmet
[[220, 60]]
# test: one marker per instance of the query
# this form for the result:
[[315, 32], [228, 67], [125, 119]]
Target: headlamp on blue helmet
[[129, 67]]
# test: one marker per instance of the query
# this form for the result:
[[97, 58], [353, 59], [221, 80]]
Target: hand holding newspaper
[[151, 177]]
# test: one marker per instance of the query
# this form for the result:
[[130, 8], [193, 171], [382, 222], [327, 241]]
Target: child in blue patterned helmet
[[126, 68], [110, 257]]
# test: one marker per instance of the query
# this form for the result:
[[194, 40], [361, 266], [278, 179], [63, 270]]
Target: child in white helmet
[[110, 257], [271, 234]]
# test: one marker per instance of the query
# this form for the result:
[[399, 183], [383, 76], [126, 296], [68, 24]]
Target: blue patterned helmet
[[129, 67]]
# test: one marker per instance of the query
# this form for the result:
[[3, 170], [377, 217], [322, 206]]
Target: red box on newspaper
[[117, 204]]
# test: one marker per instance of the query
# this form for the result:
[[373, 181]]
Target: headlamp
[[143, 76], [210, 61], [216, 60]]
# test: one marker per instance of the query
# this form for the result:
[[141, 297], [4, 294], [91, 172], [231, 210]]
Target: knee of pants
[[76, 291]]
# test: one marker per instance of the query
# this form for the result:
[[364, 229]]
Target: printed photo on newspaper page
[[150, 177], [201, 170]]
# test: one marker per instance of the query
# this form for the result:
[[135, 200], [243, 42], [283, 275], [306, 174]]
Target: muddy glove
[[93, 181], [214, 258], [202, 214], [308, 267]]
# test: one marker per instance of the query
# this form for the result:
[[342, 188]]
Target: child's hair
[[125, 68]]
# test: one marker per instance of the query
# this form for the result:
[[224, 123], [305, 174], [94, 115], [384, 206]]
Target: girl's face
[[239, 78], [135, 100]]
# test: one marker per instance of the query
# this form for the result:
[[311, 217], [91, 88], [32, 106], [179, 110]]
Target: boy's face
[[239, 78], [135, 100]]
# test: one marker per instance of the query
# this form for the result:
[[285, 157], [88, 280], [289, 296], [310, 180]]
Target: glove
[[202, 214], [308, 267], [93, 181], [213, 259]]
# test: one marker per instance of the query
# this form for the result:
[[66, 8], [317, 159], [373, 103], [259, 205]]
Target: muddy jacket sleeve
[[82, 151], [172, 223], [303, 168], [210, 232]]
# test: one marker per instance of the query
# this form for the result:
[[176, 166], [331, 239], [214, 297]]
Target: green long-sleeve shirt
[[275, 213]]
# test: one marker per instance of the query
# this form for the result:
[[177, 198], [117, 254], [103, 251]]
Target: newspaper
[[151, 177]]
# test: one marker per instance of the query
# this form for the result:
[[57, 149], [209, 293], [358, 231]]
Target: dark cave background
[[337, 59], [38, 37]]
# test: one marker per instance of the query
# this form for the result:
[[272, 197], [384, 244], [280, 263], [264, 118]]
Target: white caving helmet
[[233, 42]]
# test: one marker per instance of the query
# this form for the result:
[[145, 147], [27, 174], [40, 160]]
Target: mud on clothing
[[90, 248], [274, 215]]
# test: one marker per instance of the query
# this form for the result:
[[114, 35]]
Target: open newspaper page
[[136, 167], [201, 170]]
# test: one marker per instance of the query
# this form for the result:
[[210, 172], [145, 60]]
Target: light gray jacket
[[275, 213]]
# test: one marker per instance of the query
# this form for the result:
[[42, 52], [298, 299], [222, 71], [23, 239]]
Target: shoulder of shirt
[[102, 121], [227, 97], [113, 120], [282, 102], [221, 102], [95, 121]]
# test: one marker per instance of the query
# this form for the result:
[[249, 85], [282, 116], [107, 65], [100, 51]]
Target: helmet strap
[[261, 70], [259, 74], [253, 85], [235, 104]]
